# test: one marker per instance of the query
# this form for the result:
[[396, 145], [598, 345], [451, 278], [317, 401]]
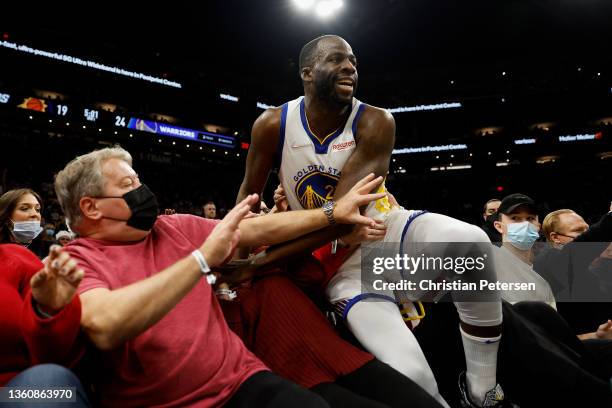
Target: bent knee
[[460, 231]]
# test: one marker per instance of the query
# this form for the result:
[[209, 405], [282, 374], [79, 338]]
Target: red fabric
[[190, 358], [280, 324], [315, 272], [26, 338]]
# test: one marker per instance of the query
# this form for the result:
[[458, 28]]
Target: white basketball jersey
[[310, 167]]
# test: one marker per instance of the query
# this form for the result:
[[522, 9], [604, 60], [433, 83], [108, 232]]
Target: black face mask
[[144, 207]]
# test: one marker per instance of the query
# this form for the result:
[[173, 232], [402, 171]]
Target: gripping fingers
[[54, 252], [370, 185], [39, 278], [75, 276], [68, 267], [58, 263], [364, 181], [236, 215], [364, 199]]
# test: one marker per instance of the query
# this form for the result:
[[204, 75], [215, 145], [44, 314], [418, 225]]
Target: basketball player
[[322, 143]]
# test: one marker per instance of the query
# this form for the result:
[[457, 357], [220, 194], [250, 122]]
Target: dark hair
[[209, 202], [484, 210], [308, 51], [8, 201]]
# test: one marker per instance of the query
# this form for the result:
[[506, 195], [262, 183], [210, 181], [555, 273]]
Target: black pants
[[375, 385], [543, 363], [267, 390]]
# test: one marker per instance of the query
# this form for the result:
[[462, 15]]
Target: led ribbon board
[[163, 129], [420, 108], [578, 138], [89, 64], [425, 149]]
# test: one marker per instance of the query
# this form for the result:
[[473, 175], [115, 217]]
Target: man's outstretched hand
[[226, 235], [347, 207]]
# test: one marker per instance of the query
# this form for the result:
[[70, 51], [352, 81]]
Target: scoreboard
[[107, 119]]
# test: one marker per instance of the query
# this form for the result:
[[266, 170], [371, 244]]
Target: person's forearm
[[282, 253], [588, 336], [275, 228], [601, 231], [52, 339], [111, 318]]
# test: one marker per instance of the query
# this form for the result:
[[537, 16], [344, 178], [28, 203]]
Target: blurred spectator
[[563, 226], [575, 265], [64, 237], [210, 210], [490, 216], [490, 207]]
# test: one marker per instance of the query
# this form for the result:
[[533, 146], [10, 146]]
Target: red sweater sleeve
[[55, 339], [330, 262]]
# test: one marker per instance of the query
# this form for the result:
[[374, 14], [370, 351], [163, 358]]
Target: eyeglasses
[[568, 236]]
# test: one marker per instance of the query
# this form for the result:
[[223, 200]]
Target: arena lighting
[[326, 8], [524, 141], [546, 159], [501, 164], [419, 108], [4, 98], [451, 167], [262, 105], [459, 167], [425, 149], [304, 4], [89, 64], [228, 97], [322, 8]]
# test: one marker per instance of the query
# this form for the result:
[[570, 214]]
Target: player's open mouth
[[345, 84]]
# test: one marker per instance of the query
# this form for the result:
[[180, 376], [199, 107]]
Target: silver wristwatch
[[328, 209]]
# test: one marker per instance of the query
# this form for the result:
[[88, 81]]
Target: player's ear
[[306, 74]]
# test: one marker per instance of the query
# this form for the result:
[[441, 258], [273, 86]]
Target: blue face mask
[[26, 231], [522, 235]]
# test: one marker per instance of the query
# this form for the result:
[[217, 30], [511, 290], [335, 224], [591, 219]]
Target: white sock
[[481, 364]]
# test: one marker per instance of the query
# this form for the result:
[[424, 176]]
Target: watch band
[[328, 209]]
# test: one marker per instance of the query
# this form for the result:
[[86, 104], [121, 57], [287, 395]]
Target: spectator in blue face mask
[[519, 227], [20, 218]]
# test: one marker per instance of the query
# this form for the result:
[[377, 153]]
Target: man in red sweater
[[40, 320], [147, 298]]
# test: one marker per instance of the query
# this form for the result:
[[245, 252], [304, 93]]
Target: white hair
[[82, 177]]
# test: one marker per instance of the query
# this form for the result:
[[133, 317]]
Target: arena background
[[529, 72]]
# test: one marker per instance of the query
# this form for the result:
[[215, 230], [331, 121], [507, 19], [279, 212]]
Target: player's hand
[[604, 331], [169, 211], [346, 210], [226, 235], [280, 199], [54, 286], [363, 233]]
